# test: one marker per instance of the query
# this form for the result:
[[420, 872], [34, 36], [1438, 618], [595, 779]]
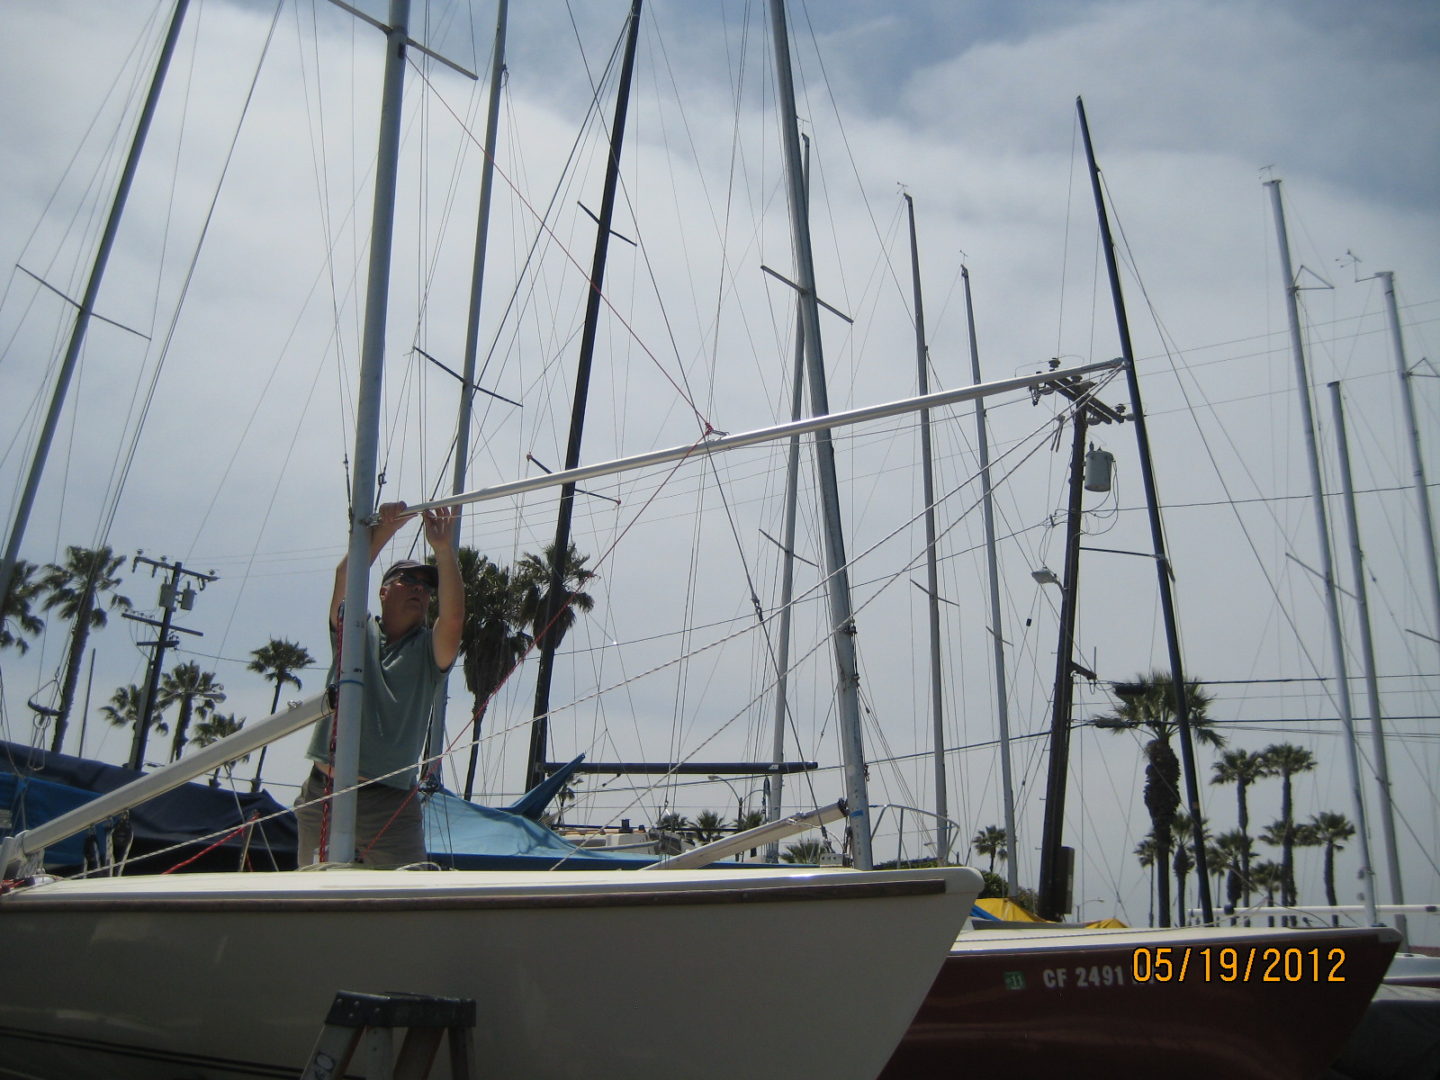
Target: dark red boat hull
[[1055, 1003]]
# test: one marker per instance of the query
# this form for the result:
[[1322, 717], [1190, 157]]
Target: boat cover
[[465, 836], [36, 786]]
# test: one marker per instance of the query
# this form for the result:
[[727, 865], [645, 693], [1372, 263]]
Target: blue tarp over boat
[[36, 786], [464, 836]]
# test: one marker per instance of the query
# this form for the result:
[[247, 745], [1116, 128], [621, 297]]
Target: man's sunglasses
[[412, 579]]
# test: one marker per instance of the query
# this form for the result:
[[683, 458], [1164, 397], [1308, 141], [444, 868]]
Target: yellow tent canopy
[[1006, 910]]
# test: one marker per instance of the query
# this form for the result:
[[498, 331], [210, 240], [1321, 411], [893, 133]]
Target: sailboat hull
[[1188, 1004], [594, 974]]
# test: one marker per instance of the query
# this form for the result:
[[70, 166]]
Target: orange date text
[[1228, 964]]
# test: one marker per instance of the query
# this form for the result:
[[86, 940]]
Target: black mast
[[540, 726], [1157, 535]]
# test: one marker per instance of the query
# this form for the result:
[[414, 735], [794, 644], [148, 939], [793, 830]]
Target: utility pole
[[1056, 860], [171, 594]]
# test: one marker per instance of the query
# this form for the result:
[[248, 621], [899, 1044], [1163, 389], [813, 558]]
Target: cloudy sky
[[242, 256]]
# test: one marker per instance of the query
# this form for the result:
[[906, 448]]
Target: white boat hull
[[582, 975]]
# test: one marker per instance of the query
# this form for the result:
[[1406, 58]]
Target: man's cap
[[420, 569]]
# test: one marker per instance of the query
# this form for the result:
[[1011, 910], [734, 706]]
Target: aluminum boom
[[766, 435]]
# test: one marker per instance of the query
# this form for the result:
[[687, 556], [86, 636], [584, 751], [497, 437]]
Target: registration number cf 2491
[[1083, 977]]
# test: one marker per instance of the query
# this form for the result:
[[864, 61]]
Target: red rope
[[254, 815]]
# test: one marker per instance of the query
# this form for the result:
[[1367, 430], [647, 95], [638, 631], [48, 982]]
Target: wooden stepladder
[[371, 1019]]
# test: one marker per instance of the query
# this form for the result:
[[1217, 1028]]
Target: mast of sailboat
[[560, 552], [87, 303], [774, 804], [1417, 462], [1002, 710], [472, 348], [367, 440], [1327, 566], [932, 576], [836, 575], [1163, 570], [1367, 655]]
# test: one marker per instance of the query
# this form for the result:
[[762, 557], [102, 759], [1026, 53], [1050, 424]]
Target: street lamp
[[739, 799], [1080, 910]]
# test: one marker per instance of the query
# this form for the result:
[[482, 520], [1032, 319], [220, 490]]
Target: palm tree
[[23, 589], [1148, 853], [806, 851], [990, 841], [1183, 861], [1331, 830], [1232, 852], [1277, 834], [1306, 836], [211, 730], [1241, 768], [278, 660], [124, 709], [197, 693], [545, 613], [750, 819], [708, 826], [1149, 703], [493, 638], [1268, 876], [1285, 760], [78, 589]]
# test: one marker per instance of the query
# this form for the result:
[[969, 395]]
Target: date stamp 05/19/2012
[[1265, 964]]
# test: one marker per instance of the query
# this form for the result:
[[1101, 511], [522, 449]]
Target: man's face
[[405, 599]]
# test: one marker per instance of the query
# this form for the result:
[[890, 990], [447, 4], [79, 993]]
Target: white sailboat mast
[[847, 671], [367, 439], [472, 348], [776, 782], [1327, 566], [1002, 700], [1417, 462], [1367, 655]]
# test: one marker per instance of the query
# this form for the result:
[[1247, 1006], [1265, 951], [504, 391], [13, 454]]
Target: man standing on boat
[[405, 662]]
